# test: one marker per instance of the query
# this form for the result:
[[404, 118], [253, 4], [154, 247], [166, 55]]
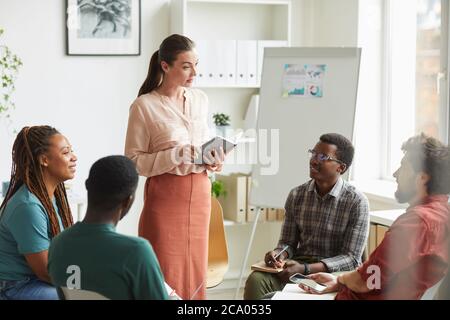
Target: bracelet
[[307, 270]]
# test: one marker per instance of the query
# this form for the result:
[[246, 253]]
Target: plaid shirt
[[333, 229]]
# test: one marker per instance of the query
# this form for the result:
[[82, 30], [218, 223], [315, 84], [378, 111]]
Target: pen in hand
[[274, 259]]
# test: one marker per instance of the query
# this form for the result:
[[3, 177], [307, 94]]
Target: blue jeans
[[28, 289]]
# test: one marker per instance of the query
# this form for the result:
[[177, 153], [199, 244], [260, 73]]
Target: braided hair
[[30, 144]]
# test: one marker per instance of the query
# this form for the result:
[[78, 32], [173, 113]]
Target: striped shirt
[[333, 228]]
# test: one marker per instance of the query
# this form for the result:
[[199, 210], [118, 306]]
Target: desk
[[385, 217], [380, 222]]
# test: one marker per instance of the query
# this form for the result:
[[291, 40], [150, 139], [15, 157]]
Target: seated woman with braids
[[35, 209]]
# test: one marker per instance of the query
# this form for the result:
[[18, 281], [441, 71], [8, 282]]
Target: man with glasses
[[326, 225], [414, 253]]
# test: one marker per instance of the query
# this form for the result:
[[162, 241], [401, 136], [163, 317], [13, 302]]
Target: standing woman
[[166, 122], [35, 209]]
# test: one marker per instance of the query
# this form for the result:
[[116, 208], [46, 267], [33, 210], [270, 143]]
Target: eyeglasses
[[323, 157]]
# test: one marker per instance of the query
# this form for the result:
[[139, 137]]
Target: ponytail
[[154, 76], [168, 52]]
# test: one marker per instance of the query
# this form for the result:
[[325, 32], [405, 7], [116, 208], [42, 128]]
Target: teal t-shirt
[[24, 229], [117, 266]]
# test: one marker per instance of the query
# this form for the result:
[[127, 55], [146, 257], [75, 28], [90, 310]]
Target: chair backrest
[[217, 246], [65, 293]]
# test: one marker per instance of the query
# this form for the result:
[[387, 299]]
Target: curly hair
[[30, 143], [345, 150], [429, 155]]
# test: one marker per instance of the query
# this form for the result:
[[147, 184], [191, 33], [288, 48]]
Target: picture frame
[[103, 27]]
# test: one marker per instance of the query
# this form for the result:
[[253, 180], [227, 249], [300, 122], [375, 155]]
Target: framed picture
[[103, 27]]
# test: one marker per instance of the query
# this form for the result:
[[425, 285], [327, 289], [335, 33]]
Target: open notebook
[[261, 266], [292, 291]]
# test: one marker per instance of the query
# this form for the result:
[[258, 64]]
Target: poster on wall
[[103, 27], [304, 81]]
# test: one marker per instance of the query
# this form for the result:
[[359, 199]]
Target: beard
[[403, 195]]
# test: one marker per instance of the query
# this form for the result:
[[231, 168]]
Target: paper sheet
[[293, 292], [304, 81]]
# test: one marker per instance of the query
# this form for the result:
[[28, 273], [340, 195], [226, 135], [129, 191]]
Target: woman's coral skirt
[[175, 219]]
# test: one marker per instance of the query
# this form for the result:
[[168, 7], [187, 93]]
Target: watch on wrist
[[307, 270]]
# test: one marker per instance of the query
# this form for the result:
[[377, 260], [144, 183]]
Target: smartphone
[[300, 278]]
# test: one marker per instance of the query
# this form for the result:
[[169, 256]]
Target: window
[[415, 81]]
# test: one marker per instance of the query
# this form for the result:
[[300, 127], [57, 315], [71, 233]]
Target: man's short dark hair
[[111, 180], [345, 150], [429, 155]]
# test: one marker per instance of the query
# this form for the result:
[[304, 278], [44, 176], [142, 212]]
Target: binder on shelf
[[234, 204], [203, 66], [271, 214], [280, 214], [211, 77], [251, 214], [251, 210], [225, 56], [246, 70]]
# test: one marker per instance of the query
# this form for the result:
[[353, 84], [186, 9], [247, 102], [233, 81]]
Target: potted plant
[[222, 121], [9, 68], [218, 189]]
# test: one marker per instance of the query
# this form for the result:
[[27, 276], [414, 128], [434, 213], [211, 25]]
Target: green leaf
[[9, 68], [218, 189]]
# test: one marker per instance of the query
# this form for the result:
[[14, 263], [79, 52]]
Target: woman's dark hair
[[30, 144], [168, 52], [429, 155], [345, 150]]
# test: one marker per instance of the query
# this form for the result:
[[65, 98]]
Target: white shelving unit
[[263, 21], [210, 22], [232, 86], [252, 20]]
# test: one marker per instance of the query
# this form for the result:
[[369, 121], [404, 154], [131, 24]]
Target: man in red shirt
[[413, 255]]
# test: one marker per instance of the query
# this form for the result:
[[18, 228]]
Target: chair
[[65, 293], [217, 247]]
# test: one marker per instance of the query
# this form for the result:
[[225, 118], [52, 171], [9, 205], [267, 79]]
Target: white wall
[[86, 98], [328, 23], [368, 126], [354, 23]]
